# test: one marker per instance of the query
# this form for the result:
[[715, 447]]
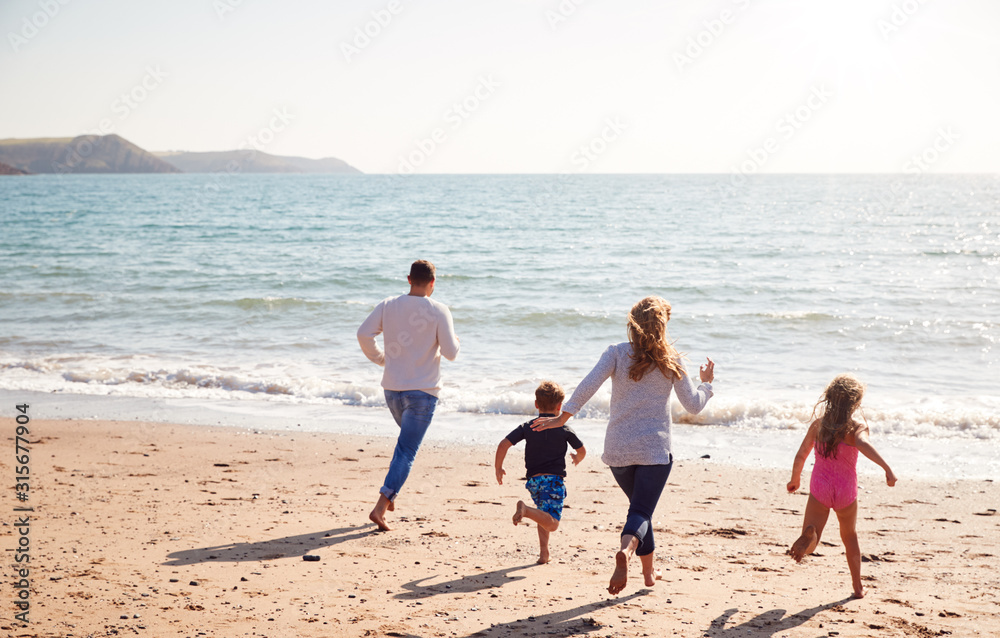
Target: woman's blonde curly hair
[[647, 332]]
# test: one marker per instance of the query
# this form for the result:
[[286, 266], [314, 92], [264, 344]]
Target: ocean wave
[[797, 315], [138, 376]]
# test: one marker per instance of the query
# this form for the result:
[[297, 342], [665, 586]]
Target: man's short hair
[[422, 272], [549, 395]]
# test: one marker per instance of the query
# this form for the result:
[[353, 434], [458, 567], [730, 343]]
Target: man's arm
[[370, 328], [447, 340], [501, 455]]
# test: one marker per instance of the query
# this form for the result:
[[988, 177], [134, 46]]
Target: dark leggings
[[643, 485]]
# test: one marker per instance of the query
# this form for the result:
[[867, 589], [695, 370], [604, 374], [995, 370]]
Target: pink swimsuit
[[834, 480]]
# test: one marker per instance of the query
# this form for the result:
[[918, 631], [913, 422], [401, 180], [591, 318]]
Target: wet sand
[[168, 530]]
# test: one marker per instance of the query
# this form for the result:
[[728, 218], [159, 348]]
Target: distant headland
[[115, 154]]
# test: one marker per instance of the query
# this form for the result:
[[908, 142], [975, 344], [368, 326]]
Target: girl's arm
[[866, 448], [801, 456]]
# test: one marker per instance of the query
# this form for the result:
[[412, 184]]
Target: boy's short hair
[[422, 272], [549, 395]]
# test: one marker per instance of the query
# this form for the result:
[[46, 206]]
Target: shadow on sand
[[464, 585], [766, 624], [287, 547], [558, 623]]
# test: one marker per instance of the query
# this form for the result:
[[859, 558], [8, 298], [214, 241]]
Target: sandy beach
[[164, 530]]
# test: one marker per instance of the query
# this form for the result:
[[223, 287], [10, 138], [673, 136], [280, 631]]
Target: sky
[[520, 86]]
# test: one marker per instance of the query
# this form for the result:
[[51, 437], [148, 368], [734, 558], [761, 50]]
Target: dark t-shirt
[[545, 451]]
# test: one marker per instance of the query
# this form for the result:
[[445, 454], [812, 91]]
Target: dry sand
[[161, 530]]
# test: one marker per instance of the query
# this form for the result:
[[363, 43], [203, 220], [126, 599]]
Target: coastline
[[921, 457], [123, 508]]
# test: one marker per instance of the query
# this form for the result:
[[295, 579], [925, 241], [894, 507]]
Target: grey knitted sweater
[[639, 429]]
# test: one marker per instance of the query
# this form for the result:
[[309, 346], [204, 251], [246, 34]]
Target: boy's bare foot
[[651, 577], [519, 512], [620, 578], [376, 518], [798, 549]]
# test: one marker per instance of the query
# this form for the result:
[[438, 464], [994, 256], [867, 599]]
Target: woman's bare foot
[[620, 578], [391, 507], [543, 557], [519, 512], [859, 592], [649, 573], [798, 549]]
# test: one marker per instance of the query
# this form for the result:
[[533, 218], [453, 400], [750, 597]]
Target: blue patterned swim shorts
[[548, 491]]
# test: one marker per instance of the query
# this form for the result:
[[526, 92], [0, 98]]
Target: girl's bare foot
[[519, 512], [798, 549], [620, 578]]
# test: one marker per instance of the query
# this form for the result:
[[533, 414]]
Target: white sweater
[[416, 332], [639, 429]]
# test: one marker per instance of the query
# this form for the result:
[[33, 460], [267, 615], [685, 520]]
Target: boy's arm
[[501, 455], [866, 448], [581, 453], [801, 456]]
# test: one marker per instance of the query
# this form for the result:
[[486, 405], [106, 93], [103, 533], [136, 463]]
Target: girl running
[[836, 438]]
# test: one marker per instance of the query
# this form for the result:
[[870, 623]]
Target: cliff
[[251, 161], [82, 154], [7, 169]]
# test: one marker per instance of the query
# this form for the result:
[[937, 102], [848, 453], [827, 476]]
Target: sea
[[234, 300]]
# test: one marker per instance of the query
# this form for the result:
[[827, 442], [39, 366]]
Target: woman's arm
[[801, 456], [591, 384], [866, 448], [694, 400]]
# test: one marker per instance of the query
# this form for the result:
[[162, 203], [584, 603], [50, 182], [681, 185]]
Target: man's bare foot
[[519, 512], [651, 578], [376, 518], [620, 578], [798, 549]]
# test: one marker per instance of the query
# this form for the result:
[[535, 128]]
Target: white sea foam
[[956, 417]]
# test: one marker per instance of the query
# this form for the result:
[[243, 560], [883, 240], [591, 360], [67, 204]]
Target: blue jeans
[[643, 485], [413, 410]]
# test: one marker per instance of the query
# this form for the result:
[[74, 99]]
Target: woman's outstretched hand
[[707, 371], [550, 422]]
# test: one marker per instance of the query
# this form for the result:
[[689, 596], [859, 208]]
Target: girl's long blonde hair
[[647, 332], [839, 402]]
